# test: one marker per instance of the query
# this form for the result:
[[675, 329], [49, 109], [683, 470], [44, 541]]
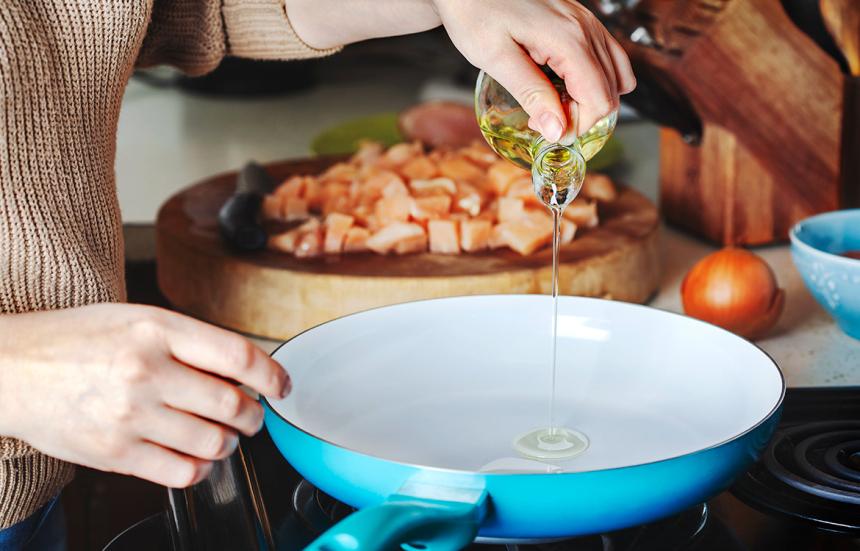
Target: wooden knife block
[[779, 140]]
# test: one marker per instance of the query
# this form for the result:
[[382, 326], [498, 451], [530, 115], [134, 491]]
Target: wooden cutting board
[[275, 295]]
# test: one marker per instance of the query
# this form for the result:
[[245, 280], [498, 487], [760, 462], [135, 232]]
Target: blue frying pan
[[410, 413]]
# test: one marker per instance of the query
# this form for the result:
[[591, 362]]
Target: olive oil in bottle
[[504, 123]]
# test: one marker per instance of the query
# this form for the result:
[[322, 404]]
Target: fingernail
[[550, 126], [286, 386]]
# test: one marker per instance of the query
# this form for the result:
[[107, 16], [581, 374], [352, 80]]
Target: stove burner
[[822, 459], [688, 530], [810, 471]]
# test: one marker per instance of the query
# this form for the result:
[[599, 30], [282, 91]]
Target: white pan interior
[[452, 383]]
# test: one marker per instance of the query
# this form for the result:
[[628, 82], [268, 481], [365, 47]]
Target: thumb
[[520, 76]]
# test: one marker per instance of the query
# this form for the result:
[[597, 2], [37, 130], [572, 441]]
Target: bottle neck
[[557, 172]]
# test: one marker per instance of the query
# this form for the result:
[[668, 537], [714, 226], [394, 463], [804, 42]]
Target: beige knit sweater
[[63, 67]]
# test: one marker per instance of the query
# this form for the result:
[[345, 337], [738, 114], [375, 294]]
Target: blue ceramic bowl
[[817, 244]]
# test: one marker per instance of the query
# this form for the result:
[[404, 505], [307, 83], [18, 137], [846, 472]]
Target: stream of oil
[[561, 171], [553, 442], [557, 173]]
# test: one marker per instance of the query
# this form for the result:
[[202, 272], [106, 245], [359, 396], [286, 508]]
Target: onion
[[735, 289]]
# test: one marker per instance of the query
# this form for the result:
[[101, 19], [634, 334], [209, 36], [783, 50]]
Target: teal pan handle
[[428, 525]]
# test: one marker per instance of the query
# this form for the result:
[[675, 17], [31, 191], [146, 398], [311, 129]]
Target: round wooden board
[[274, 295]]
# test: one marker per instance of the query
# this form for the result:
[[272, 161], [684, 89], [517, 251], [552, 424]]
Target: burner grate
[[819, 458], [811, 469]]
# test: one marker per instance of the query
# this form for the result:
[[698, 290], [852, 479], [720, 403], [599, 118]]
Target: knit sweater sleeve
[[194, 35]]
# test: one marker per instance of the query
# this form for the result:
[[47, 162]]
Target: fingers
[[195, 392], [624, 76], [518, 74], [218, 351], [162, 466], [594, 67], [598, 44], [187, 434], [586, 81]]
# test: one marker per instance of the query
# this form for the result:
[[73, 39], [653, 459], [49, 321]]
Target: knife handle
[[240, 218]]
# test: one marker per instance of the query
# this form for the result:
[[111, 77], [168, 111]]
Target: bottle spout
[[558, 172]]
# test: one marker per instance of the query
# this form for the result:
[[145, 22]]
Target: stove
[[804, 494]]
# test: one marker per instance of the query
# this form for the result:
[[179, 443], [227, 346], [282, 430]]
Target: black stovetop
[[767, 508]]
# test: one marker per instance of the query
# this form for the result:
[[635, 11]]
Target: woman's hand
[[131, 389], [509, 39]]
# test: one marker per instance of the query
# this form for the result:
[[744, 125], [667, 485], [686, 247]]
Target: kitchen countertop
[[168, 139]]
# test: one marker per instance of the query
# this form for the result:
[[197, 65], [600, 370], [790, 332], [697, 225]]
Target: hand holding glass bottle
[[558, 166]]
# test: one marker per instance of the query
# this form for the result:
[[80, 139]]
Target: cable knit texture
[[63, 67]]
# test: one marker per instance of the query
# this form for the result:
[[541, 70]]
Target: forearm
[[329, 23], [9, 365]]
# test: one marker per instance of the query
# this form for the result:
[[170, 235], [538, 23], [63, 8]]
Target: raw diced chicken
[[310, 244], [291, 187], [337, 203], [373, 224], [524, 237], [419, 168], [510, 209], [480, 154], [368, 153], [290, 239], [443, 236], [404, 200], [310, 225], [486, 215], [336, 226], [333, 191], [413, 244], [502, 173], [468, 199], [538, 217], [599, 186], [284, 242], [434, 186], [313, 193], [582, 212], [356, 240], [400, 154], [523, 188], [340, 172], [475, 235], [460, 170], [497, 239], [362, 213], [393, 209], [393, 236], [294, 209], [395, 188], [378, 180], [431, 207]]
